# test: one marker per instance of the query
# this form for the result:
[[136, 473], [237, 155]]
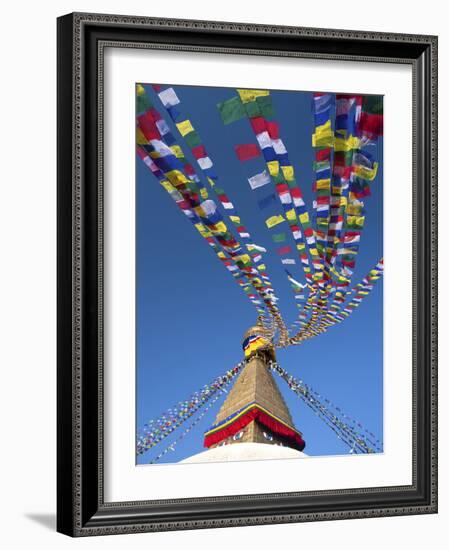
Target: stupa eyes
[[268, 436], [237, 436]]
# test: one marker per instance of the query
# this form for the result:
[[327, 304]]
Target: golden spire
[[254, 410]]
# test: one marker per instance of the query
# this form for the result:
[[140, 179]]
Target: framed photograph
[[246, 274]]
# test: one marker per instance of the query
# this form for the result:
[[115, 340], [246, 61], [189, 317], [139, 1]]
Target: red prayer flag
[[258, 124], [247, 151], [284, 250], [189, 170], [273, 130], [371, 125], [148, 126], [322, 154], [199, 152]]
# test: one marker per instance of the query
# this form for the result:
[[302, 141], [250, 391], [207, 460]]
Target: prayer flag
[[185, 127], [266, 201], [251, 95], [231, 110], [274, 220], [278, 237], [259, 180], [284, 250], [247, 151], [169, 97]]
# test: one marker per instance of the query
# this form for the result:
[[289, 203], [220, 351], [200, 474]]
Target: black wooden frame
[[81, 509]]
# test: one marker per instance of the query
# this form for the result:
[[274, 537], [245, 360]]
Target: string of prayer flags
[[186, 191], [275, 153], [371, 120], [326, 239], [213, 227], [352, 433], [155, 430]]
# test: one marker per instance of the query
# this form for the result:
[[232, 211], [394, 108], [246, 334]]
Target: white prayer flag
[[259, 180], [169, 97]]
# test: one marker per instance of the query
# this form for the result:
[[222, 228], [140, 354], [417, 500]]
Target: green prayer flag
[[278, 237], [252, 109], [265, 106], [279, 177], [231, 110], [192, 139], [373, 104], [143, 103]]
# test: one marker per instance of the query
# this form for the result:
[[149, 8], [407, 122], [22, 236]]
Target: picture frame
[[81, 506]]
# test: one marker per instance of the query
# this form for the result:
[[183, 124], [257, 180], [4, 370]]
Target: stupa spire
[[254, 410]]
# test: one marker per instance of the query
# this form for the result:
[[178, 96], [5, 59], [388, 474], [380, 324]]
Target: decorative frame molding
[[81, 41]]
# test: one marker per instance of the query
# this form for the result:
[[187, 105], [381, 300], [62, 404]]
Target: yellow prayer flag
[[203, 230], [176, 177], [323, 136], [304, 217], [323, 184], [366, 173], [141, 139], [167, 186], [337, 190], [291, 215], [288, 172], [140, 89], [177, 151], [245, 258], [236, 219], [251, 95], [354, 209], [184, 127], [262, 267], [355, 220], [274, 220], [347, 144], [219, 227], [273, 167]]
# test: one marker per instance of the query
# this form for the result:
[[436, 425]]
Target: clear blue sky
[[191, 315]]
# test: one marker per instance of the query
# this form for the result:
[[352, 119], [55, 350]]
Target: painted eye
[[268, 436], [237, 436]]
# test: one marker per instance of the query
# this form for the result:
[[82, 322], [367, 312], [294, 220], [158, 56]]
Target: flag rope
[[155, 430], [346, 428]]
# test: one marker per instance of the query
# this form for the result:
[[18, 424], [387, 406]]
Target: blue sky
[[191, 315]]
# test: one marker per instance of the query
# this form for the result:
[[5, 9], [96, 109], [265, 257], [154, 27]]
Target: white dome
[[244, 451]]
